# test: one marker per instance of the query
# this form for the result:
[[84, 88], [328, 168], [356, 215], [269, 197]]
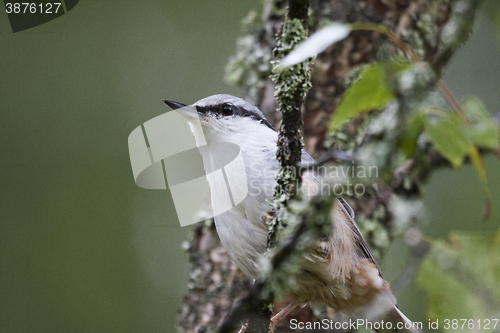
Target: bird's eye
[[227, 110]]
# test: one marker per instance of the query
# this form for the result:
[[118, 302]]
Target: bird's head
[[226, 118]]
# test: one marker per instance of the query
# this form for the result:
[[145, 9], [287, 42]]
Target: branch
[[291, 87]]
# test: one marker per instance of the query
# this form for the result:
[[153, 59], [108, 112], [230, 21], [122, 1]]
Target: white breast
[[241, 230]]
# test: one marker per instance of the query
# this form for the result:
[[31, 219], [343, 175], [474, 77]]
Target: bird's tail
[[383, 316], [395, 321]]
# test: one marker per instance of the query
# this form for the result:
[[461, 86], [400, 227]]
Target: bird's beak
[[174, 105], [185, 110]]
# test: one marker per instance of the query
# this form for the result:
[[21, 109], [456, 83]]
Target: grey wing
[[349, 212], [361, 241]]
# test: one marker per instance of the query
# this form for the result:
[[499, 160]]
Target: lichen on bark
[[291, 84]]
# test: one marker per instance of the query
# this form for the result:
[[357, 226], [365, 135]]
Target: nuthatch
[[340, 272]]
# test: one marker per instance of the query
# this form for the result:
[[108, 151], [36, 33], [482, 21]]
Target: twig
[[449, 97], [394, 37], [334, 156]]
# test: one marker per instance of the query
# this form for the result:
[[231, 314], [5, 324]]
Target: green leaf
[[413, 127], [462, 279], [448, 138], [371, 91], [482, 130], [464, 132]]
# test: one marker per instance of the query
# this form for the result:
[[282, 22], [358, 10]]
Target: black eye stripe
[[238, 111], [216, 109]]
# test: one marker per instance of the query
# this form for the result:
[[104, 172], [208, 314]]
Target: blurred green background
[[82, 248]]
